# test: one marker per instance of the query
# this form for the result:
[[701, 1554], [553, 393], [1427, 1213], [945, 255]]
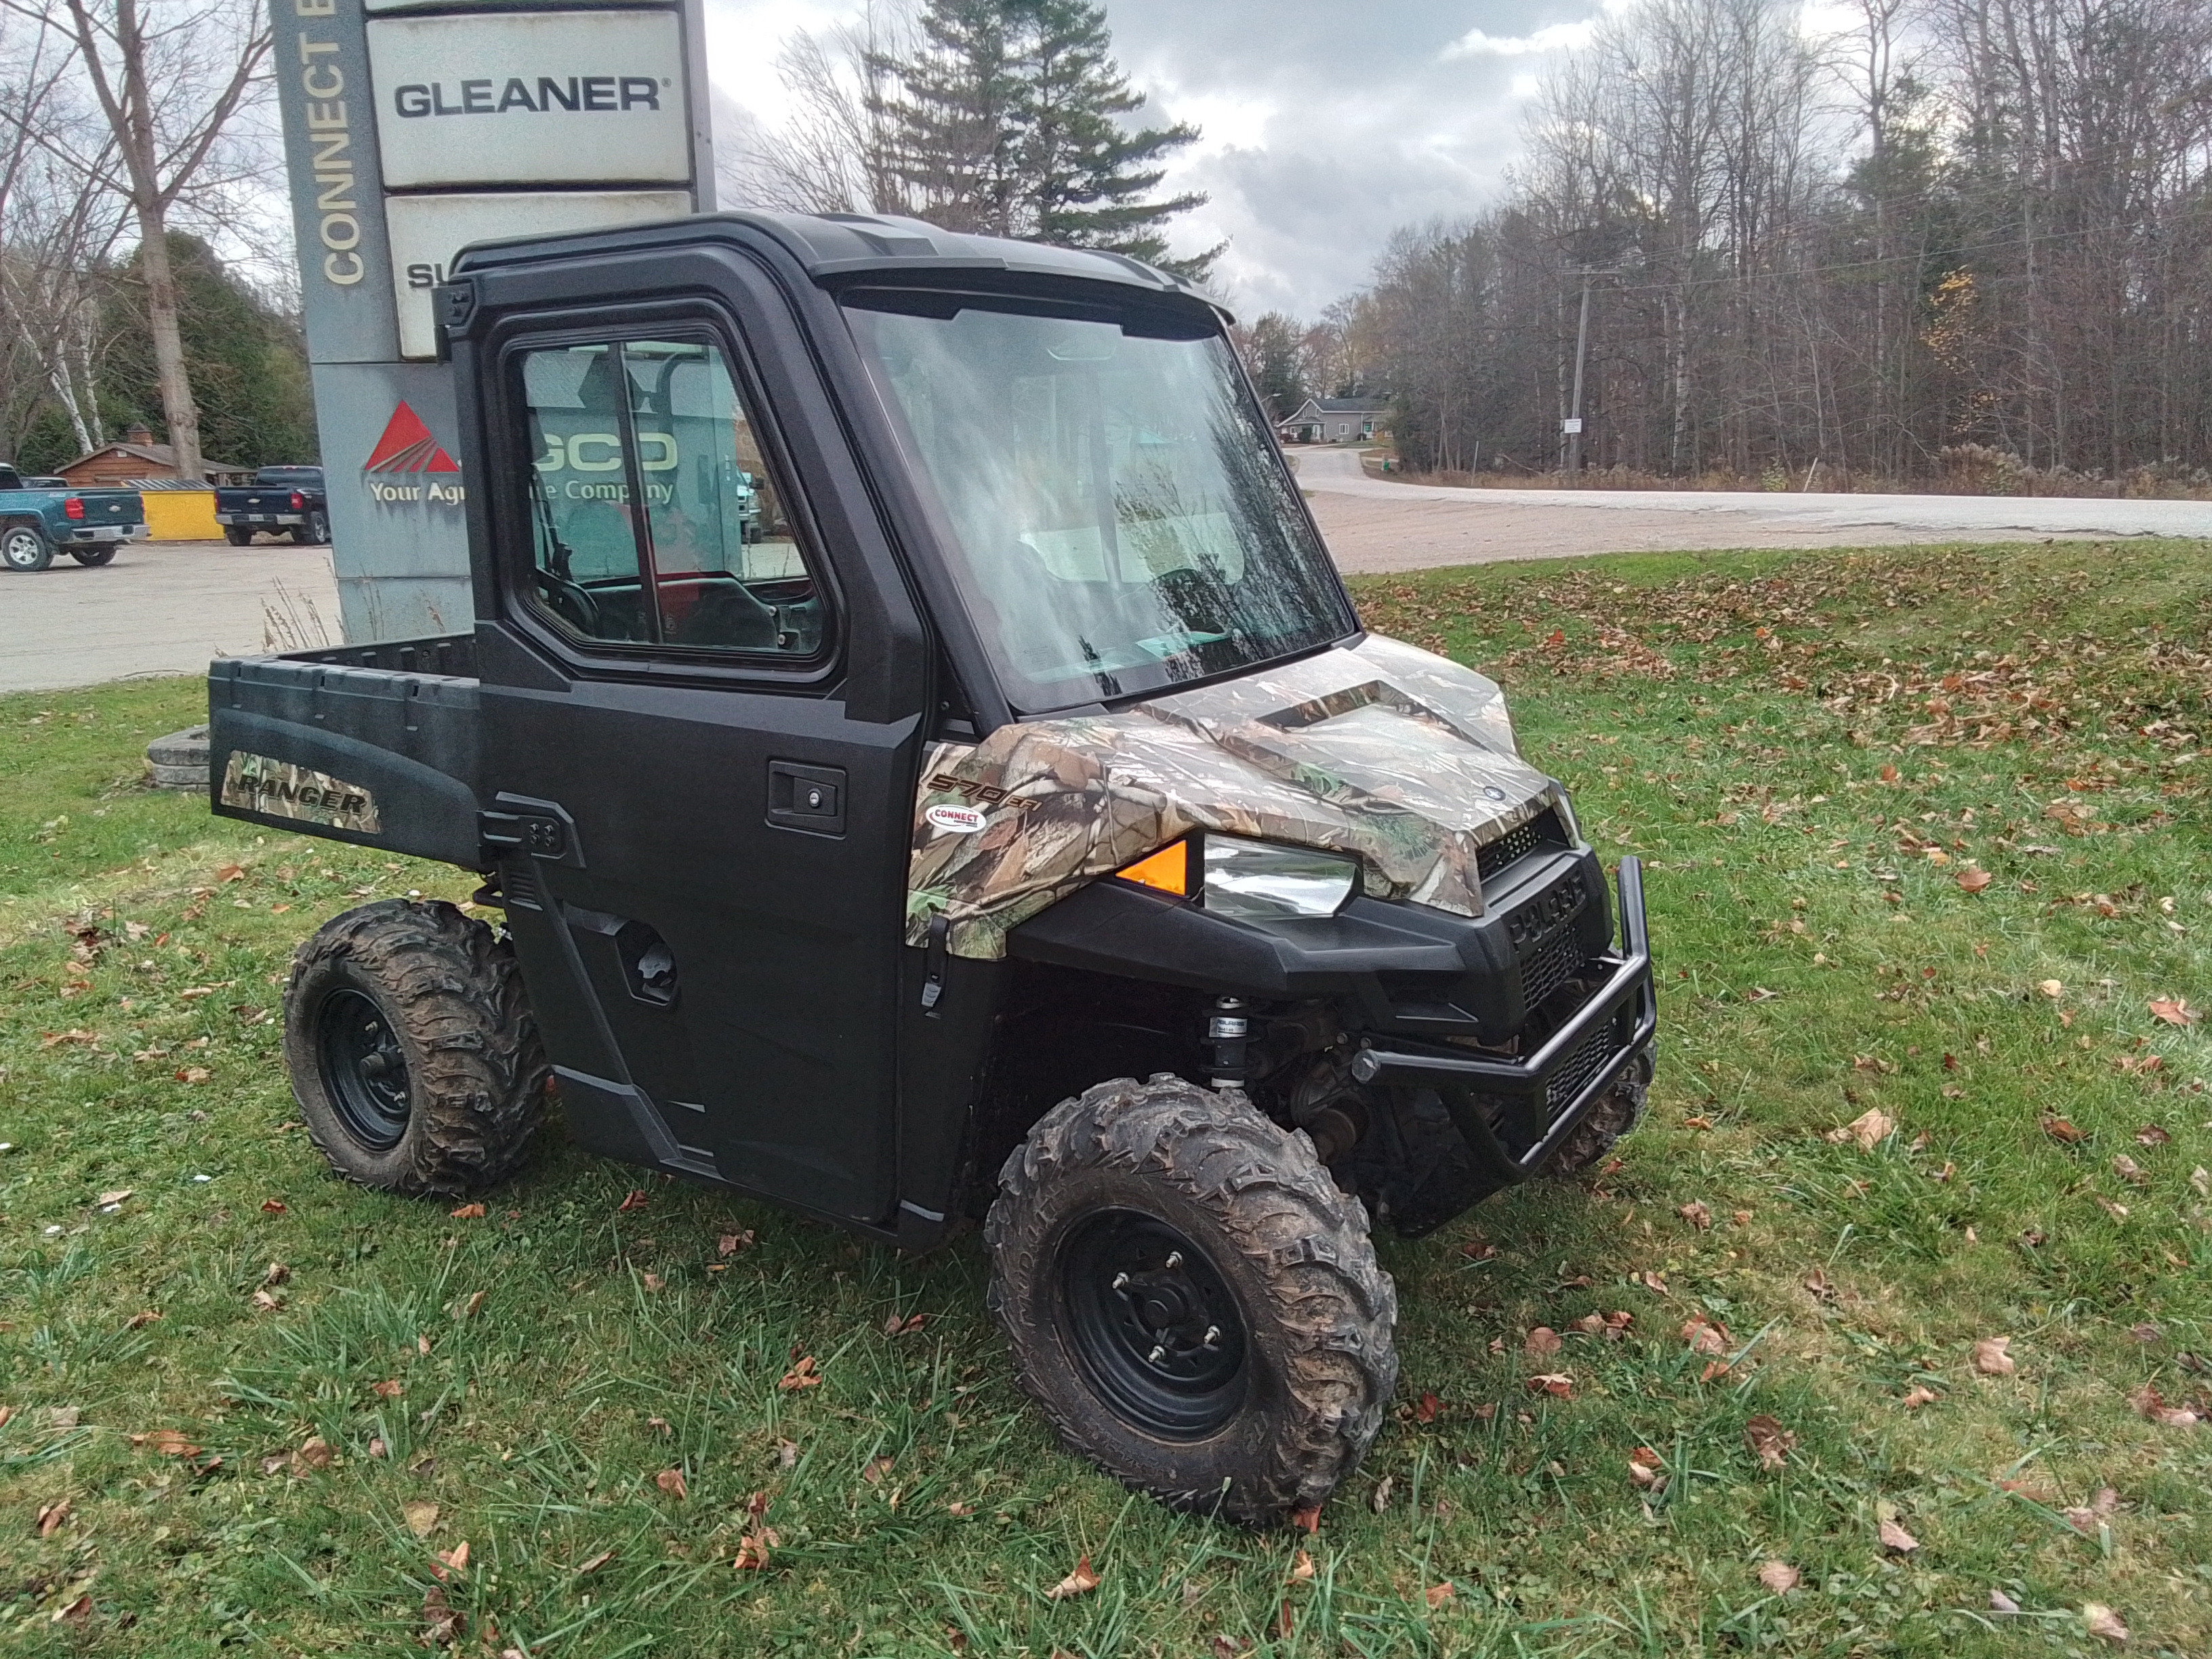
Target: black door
[[714, 845]]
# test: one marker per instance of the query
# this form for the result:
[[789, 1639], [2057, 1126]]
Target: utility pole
[[1573, 425]]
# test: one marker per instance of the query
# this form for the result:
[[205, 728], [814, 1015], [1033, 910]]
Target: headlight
[[1249, 880]]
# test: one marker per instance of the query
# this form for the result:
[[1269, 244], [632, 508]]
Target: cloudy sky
[[1326, 126]]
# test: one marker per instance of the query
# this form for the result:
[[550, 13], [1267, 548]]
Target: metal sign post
[[412, 128]]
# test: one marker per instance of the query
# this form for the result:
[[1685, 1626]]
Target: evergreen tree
[[1008, 118], [1272, 352]]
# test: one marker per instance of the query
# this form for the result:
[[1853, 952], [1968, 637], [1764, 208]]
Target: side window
[[711, 563]]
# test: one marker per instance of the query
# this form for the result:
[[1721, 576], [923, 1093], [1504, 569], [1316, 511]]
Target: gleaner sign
[[547, 97], [588, 92]]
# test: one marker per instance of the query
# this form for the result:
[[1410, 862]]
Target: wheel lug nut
[[1120, 1281], [1158, 1354], [1175, 1258], [1213, 1336]]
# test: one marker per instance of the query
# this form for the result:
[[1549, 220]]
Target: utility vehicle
[[928, 768]]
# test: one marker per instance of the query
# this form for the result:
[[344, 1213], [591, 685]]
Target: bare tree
[[167, 78], [836, 153]]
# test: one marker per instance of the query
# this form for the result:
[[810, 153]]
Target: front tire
[[413, 1055], [1191, 1300], [1615, 1113], [23, 549]]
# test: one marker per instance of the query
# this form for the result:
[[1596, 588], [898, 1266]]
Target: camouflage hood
[[1401, 758]]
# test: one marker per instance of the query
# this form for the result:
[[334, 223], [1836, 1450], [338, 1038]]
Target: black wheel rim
[[364, 1069], [1153, 1324]]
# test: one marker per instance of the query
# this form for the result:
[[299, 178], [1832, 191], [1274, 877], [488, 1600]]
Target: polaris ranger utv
[[929, 768]]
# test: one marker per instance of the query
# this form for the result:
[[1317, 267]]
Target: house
[[138, 458], [1335, 421]]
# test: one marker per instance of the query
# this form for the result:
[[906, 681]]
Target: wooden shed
[[121, 465]]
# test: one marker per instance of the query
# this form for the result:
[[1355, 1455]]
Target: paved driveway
[[1377, 525], [162, 608]]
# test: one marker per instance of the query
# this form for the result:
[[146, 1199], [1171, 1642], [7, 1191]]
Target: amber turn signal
[[1167, 870]]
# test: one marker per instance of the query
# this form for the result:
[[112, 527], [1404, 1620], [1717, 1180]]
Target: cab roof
[[831, 246]]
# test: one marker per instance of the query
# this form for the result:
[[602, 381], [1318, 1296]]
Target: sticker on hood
[[960, 820]]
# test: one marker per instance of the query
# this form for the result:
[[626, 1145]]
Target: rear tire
[[317, 530], [23, 549], [413, 1055], [1191, 1300], [104, 554], [238, 535]]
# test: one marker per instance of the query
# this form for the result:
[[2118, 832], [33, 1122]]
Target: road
[[162, 608], [1377, 525]]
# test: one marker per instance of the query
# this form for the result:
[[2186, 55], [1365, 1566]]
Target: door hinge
[[932, 981]]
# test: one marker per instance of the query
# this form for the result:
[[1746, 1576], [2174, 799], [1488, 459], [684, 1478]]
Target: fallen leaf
[[229, 872], [1705, 1335], [894, 1326], [2104, 1624], [1644, 1469], [652, 1281], [1081, 1581], [1696, 1214], [1894, 1537], [671, 1482], [1379, 1499], [314, 1453], [1972, 879], [1917, 1397], [377, 1448], [167, 1441], [1425, 1410], [956, 1508], [468, 1212], [1779, 1576], [2150, 1403], [2174, 1010], [55, 1039], [470, 1307], [2201, 1179], [595, 1563], [421, 1516], [2052, 988], [138, 1321], [1769, 1440], [1991, 1359], [2151, 1135], [442, 1625], [119, 1195], [1302, 1568], [730, 1244], [875, 1470], [1540, 1342], [753, 1549], [633, 1199], [76, 1612], [2129, 1170], [390, 1389], [200, 1074], [63, 1416], [800, 1376], [272, 1206], [455, 1559], [1437, 1595], [50, 1516], [1558, 1384], [268, 1301], [2000, 1603], [786, 1454], [1871, 1128], [2060, 1130], [2084, 1517]]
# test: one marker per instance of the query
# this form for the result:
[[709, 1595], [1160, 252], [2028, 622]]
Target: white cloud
[[1553, 37]]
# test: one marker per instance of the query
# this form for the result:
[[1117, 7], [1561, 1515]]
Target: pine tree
[[1271, 352], [1009, 123]]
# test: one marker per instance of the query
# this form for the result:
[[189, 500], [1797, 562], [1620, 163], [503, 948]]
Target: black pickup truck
[[285, 501], [926, 766]]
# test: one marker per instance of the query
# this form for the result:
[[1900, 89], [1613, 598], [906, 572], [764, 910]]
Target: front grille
[[1549, 966], [1544, 830], [1582, 1065]]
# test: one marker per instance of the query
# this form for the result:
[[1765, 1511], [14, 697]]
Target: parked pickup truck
[[282, 500], [89, 524]]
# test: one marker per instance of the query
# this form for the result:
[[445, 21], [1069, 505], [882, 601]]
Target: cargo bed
[[376, 745]]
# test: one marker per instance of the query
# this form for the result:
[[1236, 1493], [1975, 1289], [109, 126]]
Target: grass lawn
[[1925, 836]]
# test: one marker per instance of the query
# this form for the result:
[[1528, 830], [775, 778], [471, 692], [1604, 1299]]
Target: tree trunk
[[181, 415]]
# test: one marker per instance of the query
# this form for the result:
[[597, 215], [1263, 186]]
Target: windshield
[[1121, 521]]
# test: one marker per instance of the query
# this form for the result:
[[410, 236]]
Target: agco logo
[[407, 449]]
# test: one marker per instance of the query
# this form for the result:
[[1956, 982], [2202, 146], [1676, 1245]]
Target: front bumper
[[1515, 1113], [107, 532]]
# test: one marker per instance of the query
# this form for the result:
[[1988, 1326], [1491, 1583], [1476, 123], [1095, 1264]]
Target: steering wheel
[[570, 601]]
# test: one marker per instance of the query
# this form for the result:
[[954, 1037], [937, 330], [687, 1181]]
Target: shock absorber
[[1228, 1033]]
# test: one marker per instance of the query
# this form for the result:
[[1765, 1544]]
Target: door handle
[[808, 799]]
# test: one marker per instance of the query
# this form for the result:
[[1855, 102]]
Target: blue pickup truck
[[41, 516]]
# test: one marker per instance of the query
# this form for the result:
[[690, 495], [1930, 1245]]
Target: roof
[[154, 454], [1351, 405], [832, 245]]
